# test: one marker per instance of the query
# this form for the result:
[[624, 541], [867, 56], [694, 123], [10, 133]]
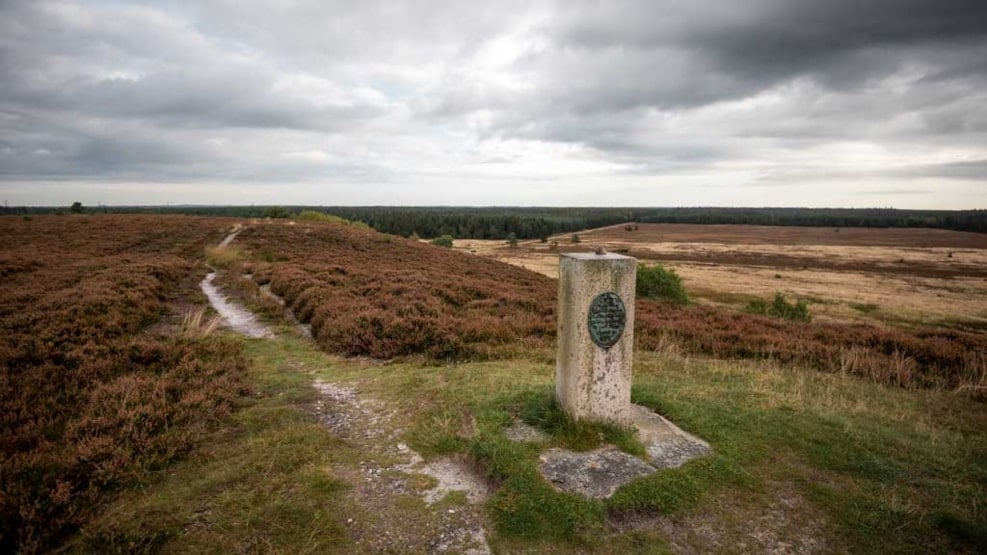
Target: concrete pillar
[[595, 336]]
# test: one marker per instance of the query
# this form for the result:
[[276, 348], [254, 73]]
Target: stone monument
[[593, 380], [596, 336]]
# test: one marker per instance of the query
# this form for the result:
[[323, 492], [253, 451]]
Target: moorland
[[131, 423]]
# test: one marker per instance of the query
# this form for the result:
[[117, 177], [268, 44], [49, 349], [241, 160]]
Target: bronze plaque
[[607, 318]]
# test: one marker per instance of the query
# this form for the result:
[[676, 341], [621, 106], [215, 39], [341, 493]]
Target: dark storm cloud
[[839, 41], [615, 59]]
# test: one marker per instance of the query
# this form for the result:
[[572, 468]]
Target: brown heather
[[920, 358], [381, 296], [90, 400], [371, 294]]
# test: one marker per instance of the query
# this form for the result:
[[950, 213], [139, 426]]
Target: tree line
[[535, 222]]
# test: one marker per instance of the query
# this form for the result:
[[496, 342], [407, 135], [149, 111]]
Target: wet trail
[[233, 315], [384, 475]]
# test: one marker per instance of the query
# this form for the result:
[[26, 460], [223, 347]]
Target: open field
[[139, 430], [900, 276]]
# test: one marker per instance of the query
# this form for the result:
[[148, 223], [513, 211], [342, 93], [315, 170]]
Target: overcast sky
[[650, 103]]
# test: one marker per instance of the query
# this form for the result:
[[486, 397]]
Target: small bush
[[658, 282], [575, 238], [780, 308], [512, 239], [443, 241]]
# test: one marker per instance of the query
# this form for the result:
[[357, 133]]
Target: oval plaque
[[607, 317]]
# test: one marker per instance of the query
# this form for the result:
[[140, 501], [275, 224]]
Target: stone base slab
[[599, 473], [667, 445]]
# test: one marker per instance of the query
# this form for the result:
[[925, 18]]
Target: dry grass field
[[898, 276]]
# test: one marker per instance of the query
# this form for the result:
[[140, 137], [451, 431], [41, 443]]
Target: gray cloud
[[734, 94], [974, 170]]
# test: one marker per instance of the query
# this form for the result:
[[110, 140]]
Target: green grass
[[265, 483], [843, 446], [542, 411], [852, 465]]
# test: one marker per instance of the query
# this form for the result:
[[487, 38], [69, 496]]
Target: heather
[[382, 296], [92, 397]]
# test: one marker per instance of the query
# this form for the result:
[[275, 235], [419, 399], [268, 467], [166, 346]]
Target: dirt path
[[391, 481], [233, 315], [399, 502]]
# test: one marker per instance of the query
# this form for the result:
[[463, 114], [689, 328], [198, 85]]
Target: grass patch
[[780, 308], [723, 297], [525, 506], [544, 412], [223, 256], [265, 483], [865, 308]]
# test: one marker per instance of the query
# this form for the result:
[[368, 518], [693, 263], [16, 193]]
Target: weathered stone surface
[[598, 474], [594, 474], [594, 382], [667, 445]]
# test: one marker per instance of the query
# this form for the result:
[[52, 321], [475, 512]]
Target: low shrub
[[443, 241], [780, 308], [660, 283]]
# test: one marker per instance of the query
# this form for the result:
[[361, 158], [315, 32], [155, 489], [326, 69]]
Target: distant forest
[[533, 223]]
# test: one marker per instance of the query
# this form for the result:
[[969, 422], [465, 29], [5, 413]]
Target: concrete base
[[599, 473], [594, 474], [666, 444]]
